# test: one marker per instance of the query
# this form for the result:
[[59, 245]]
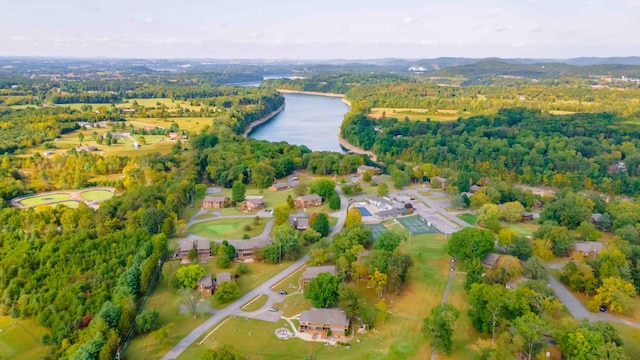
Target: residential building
[[595, 217], [307, 201], [252, 204], [222, 278], [299, 221], [312, 272], [321, 322], [364, 168], [439, 182], [527, 216], [87, 148], [206, 286], [280, 186], [204, 249], [588, 248], [183, 250], [214, 202], [490, 260], [173, 136], [474, 188]]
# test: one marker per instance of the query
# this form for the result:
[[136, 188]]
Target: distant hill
[[492, 68]]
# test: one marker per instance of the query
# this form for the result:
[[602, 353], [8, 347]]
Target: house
[[280, 186], [87, 148], [312, 272], [206, 286], [307, 201], [222, 278], [364, 168], [617, 168], [136, 145], [252, 204], [48, 152], [173, 136], [246, 249], [474, 188], [183, 250], [527, 216], [490, 260], [595, 218], [324, 322], [204, 249], [214, 202], [114, 135], [588, 248], [299, 221], [439, 181], [128, 111]]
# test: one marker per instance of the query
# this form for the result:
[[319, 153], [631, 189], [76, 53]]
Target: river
[[309, 120]]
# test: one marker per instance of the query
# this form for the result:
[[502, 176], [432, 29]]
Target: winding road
[[264, 288]]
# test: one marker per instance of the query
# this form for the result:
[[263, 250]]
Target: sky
[[326, 29]]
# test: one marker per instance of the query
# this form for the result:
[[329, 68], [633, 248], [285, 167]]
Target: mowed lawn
[[228, 229], [45, 199], [418, 114], [469, 218], [398, 337], [97, 195], [20, 339]]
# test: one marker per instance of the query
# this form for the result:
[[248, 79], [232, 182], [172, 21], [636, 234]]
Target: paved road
[[578, 310], [264, 288]]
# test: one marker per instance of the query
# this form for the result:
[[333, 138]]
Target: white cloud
[[149, 20], [630, 3], [520, 44], [408, 20]]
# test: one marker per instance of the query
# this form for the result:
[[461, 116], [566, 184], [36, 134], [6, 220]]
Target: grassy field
[[520, 228], [20, 339], [418, 114], [293, 304], [45, 199], [97, 195], [630, 337], [255, 303], [205, 216], [227, 229], [398, 337], [469, 218], [291, 283], [71, 204]]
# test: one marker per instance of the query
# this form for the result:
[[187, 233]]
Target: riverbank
[[285, 91], [356, 150], [262, 120]]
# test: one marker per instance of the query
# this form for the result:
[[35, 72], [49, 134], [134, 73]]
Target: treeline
[[580, 151], [334, 83], [81, 272], [86, 97]]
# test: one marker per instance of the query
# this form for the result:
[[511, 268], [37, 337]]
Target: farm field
[[418, 114], [228, 229], [20, 339]]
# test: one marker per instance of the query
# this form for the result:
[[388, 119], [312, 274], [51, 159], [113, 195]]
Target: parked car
[[273, 310], [603, 308], [282, 292], [295, 178]]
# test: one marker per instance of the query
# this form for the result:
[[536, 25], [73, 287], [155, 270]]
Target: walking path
[[265, 288]]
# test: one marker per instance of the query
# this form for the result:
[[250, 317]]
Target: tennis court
[[376, 230], [364, 211], [417, 225]]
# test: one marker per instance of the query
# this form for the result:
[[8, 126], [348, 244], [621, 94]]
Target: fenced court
[[417, 225], [376, 230]]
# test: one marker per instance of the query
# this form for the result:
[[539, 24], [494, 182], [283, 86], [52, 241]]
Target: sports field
[[417, 225], [376, 230], [45, 199], [97, 195]]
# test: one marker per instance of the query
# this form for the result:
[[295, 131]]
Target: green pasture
[[227, 229]]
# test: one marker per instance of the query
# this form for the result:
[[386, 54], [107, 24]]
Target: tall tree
[[189, 275], [530, 328], [238, 191], [353, 217], [469, 243], [321, 224], [439, 327], [322, 290]]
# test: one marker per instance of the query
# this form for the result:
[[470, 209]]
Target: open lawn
[[228, 229], [205, 216], [71, 204], [293, 304], [290, 284], [630, 337], [520, 228], [20, 339], [469, 219], [418, 114], [97, 195], [45, 199], [255, 303]]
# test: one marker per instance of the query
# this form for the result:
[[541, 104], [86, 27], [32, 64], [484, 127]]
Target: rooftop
[[490, 259], [203, 244], [206, 281], [312, 271], [333, 317], [223, 278], [589, 246], [215, 199], [310, 197]]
